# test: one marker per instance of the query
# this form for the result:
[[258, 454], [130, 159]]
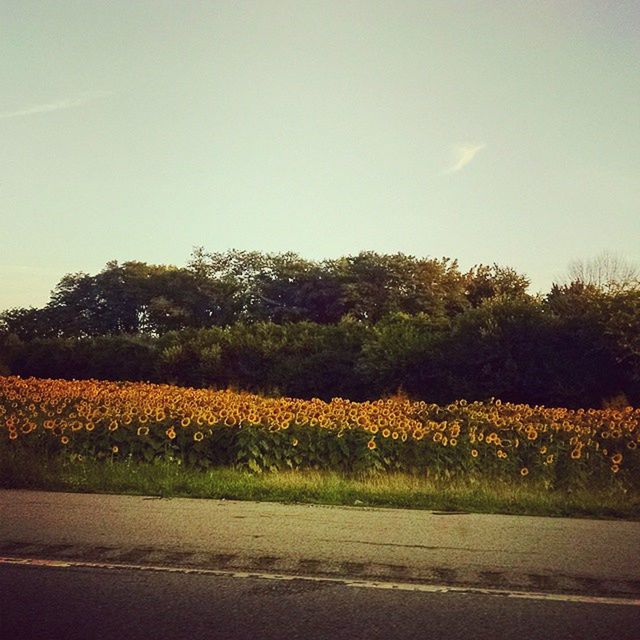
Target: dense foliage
[[357, 327]]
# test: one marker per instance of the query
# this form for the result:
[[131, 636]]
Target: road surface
[[550, 555], [86, 603]]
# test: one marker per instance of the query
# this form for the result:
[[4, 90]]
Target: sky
[[489, 132]]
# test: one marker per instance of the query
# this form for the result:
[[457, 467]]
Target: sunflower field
[[204, 428]]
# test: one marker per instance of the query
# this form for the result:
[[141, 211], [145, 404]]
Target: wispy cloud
[[67, 103], [463, 155]]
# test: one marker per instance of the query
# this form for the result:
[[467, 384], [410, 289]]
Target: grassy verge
[[169, 479]]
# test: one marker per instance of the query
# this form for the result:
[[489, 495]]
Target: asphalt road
[[50, 603], [550, 555]]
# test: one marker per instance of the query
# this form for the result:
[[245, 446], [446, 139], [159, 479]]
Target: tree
[[598, 336], [607, 272], [500, 348], [376, 285], [484, 282]]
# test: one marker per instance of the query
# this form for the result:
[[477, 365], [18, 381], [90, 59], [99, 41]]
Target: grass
[[170, 479]]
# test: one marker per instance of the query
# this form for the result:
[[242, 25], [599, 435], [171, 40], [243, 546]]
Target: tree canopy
[[357, 326]]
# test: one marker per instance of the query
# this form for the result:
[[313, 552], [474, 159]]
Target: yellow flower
[[114, 449], [198, 436], [143, 431], [371, 444], [524, 471], [185, 422], [474, 453], [171, 433], [64, 440], [616, 458], [386, 433]]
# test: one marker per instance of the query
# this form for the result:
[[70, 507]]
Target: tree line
[[358, 326]]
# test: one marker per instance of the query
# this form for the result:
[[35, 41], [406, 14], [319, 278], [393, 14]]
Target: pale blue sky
[[503, 132]]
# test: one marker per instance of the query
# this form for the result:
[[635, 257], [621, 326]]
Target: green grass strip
[[170, 479]]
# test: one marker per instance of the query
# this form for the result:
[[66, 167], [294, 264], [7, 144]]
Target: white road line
[[359, 584]]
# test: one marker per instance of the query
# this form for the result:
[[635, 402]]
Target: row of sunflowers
[[202, 427]]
